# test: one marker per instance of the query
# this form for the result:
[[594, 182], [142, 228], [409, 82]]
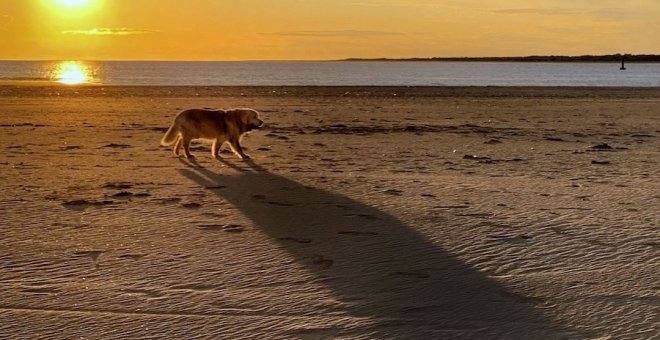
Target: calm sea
[[332, 73]]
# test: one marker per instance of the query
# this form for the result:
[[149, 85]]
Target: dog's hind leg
[[215, 148], [177, 145]]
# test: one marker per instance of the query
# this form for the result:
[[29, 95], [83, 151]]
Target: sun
[[72, 3], [73, 8]]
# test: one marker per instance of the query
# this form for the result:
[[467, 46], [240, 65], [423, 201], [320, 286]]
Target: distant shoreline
[[614, 58]]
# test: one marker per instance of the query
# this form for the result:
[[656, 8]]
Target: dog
[[220, 126]]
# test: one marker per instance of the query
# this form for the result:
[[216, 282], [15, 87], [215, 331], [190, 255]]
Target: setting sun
[[71, 73], [72, 2]]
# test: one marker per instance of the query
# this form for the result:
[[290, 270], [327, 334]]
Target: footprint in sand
[[229, 228], [117, 146], [480, 159], [123, 194], [295, 239], [600, 162], [92, 254], [75, 204], [393, 192], [82, 204], [191, 205], [69, 147], [322, 261], [559, 230], [279, 203], [214, 187]]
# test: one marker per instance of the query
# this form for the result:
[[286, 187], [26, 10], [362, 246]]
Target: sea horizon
[[331, 73]]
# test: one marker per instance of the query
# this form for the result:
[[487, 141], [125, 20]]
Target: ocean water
[[389, 73]]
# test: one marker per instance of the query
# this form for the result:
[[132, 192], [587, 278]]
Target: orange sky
[[320, 29]]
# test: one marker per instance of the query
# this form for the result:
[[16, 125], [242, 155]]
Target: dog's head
[[248, 119]]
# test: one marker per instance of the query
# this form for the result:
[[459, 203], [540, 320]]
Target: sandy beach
[[365, 213]]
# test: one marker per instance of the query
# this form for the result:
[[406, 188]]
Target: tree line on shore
[[648, 58]]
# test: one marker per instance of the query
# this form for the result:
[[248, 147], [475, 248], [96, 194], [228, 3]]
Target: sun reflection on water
[[72, 73]]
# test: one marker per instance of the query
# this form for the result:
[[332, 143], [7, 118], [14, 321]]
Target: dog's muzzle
[[256, 126]]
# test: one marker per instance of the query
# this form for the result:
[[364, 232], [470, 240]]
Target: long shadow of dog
[[388, 273]]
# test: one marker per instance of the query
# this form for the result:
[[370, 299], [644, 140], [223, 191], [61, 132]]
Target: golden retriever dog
[[219, 126]]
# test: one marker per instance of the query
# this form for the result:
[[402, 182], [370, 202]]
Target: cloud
[[109, 31], [563, 11], [338, 33], [402, 3], [542, 11]]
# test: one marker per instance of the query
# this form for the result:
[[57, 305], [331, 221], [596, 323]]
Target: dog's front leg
[[238, 150], [186, 147]]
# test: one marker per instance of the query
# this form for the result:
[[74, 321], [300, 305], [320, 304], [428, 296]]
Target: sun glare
[[72, 3], [72, 73]]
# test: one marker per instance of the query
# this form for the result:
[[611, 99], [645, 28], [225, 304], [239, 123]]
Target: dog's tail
[[170, 136]]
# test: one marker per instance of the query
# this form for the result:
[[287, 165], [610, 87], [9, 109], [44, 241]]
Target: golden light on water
[[72, 73]]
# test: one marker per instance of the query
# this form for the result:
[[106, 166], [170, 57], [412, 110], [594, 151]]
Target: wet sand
[[365, 212]]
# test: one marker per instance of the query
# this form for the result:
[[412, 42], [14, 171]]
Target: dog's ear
[[245, 117], [239, 118]]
